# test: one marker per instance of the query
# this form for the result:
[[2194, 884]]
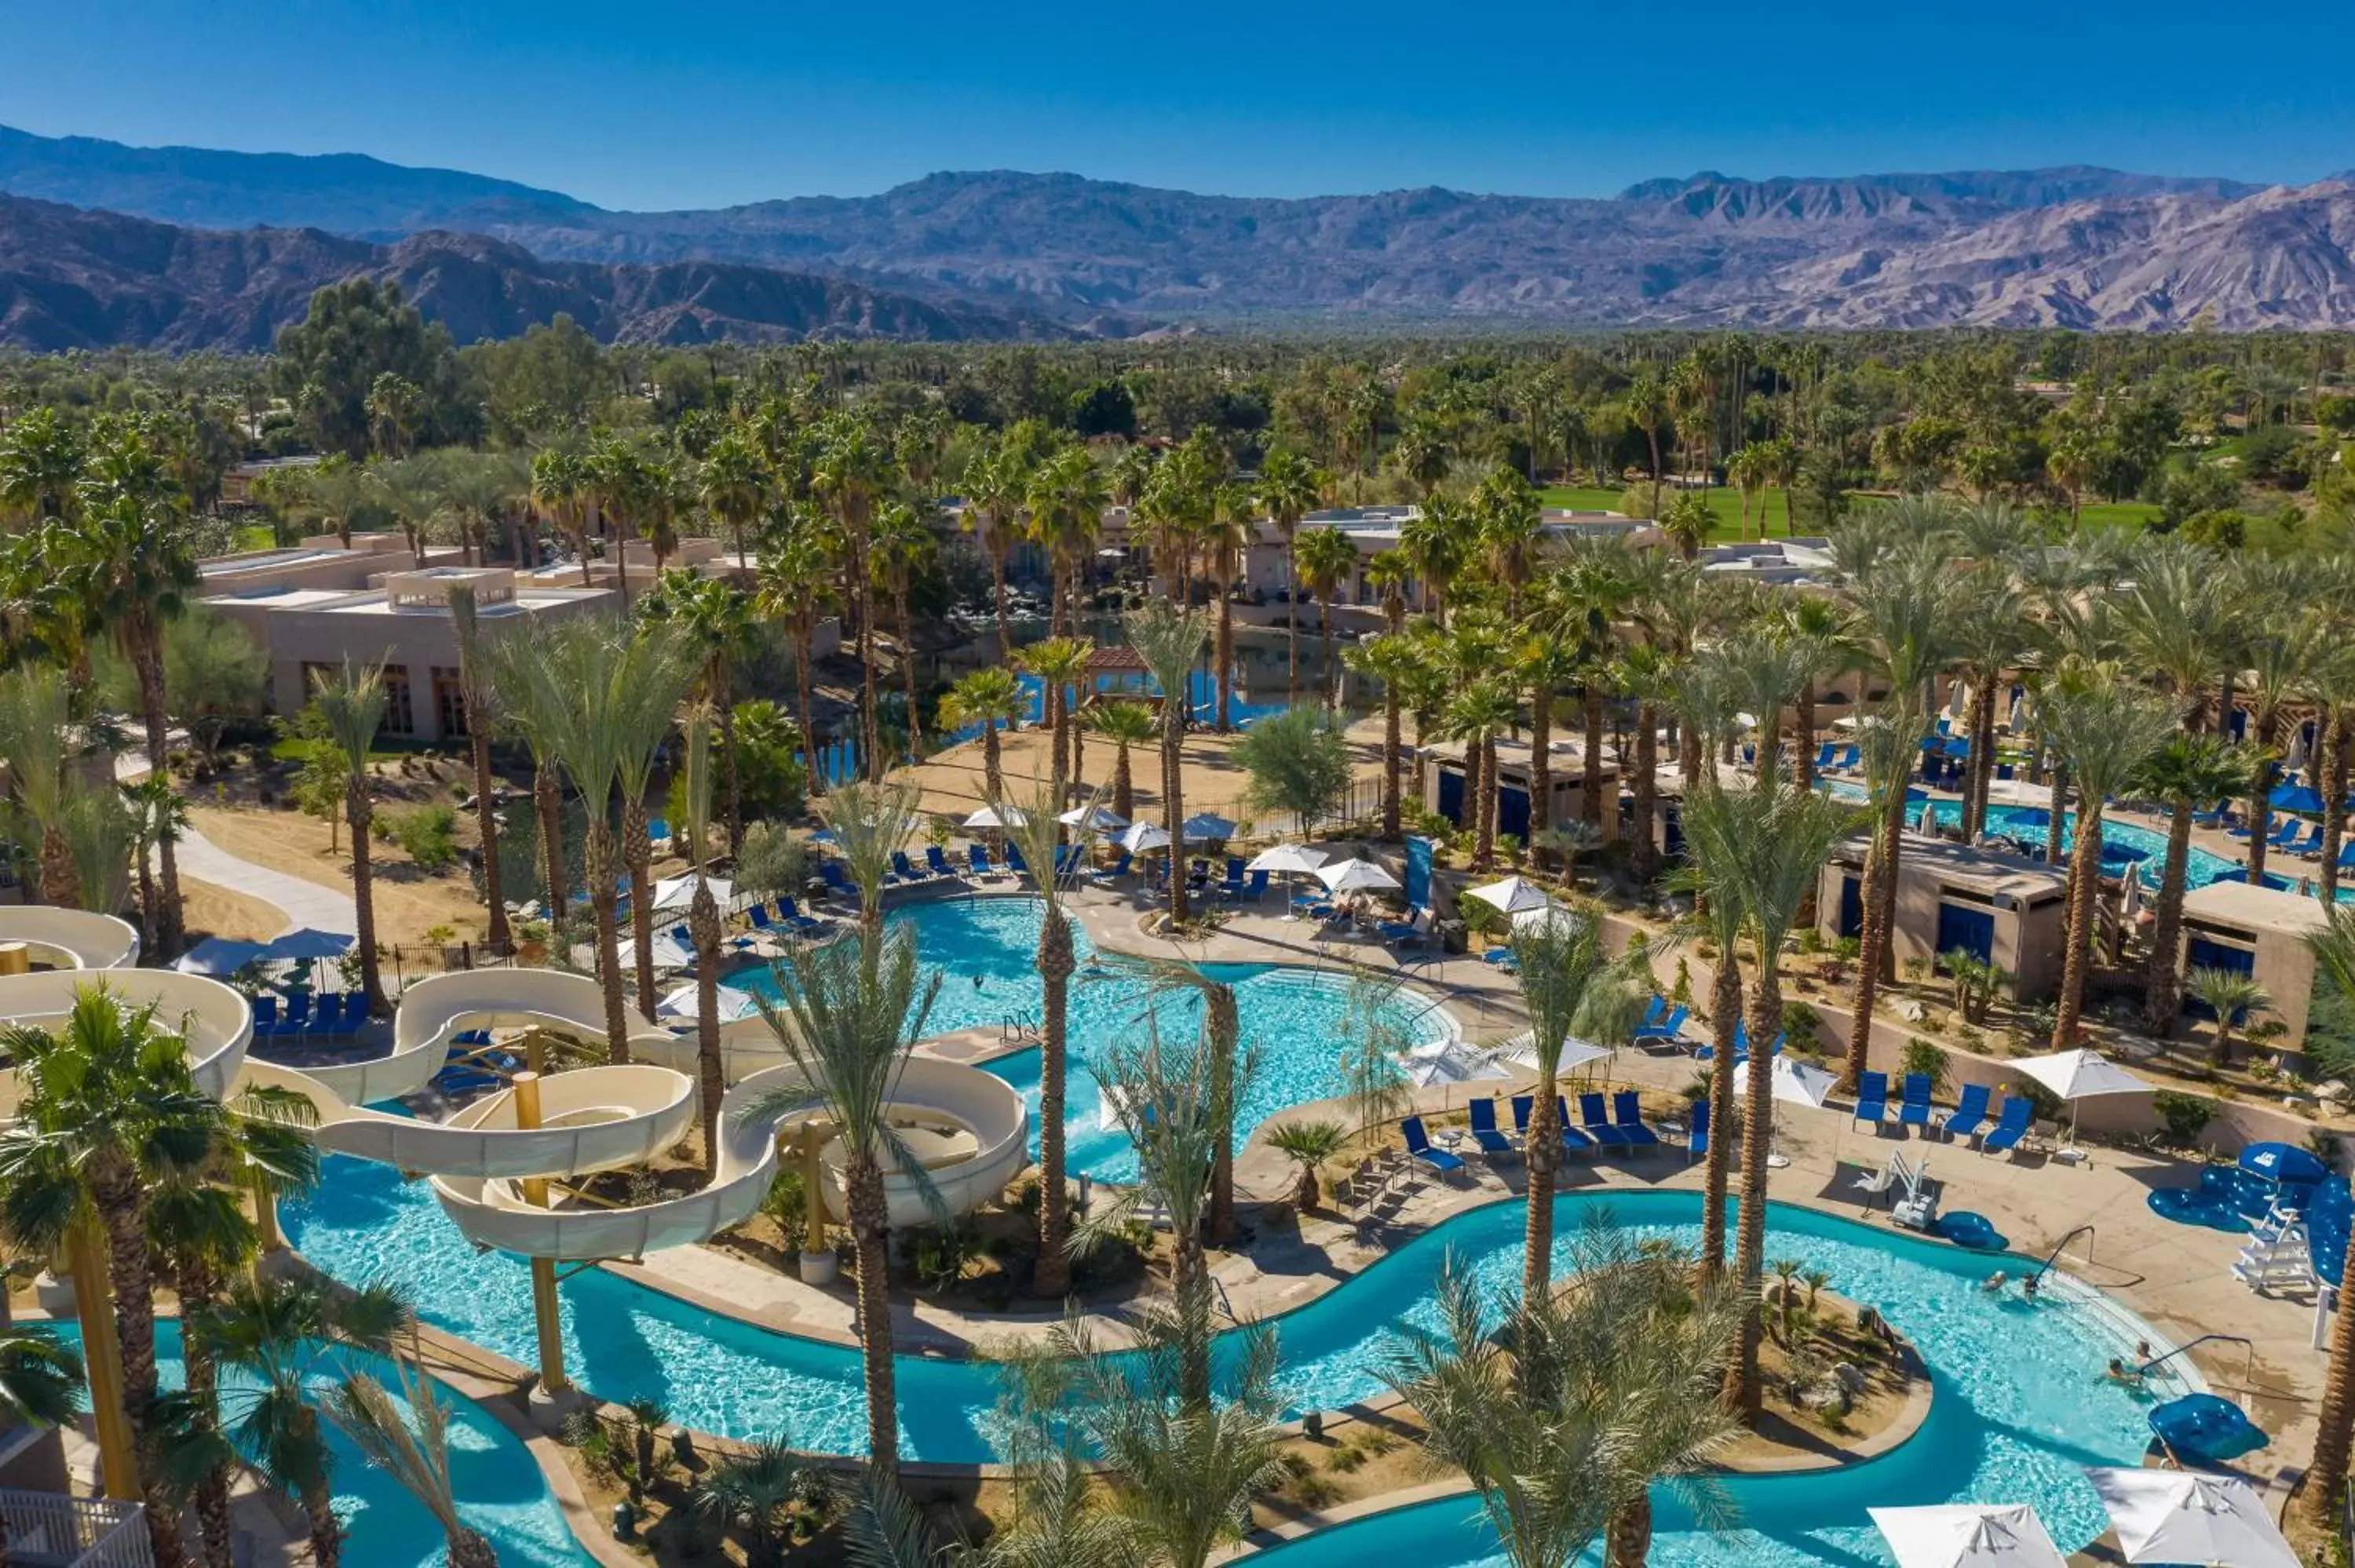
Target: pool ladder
[[1019, 1026], [2055, 1256]]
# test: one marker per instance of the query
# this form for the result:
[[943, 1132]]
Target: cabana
[[2261, 932], [2000, 909]]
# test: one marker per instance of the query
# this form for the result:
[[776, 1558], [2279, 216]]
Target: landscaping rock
[[1850, 1378]]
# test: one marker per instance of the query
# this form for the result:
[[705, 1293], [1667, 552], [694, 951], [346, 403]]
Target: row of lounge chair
[[331, 1015]]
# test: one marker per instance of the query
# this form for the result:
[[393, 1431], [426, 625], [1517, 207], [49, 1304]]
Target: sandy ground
[[211, 911], [408, 902]]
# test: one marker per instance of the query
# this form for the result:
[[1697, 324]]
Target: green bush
[[427, 835], [1923, 1056], [1799, 1022], [2182, 1117]]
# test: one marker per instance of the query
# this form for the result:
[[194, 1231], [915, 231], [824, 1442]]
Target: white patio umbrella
[[1547, 917], [1093, 818], [1512, 896], [997, 817], [668, 954], [1522, 1048], [2183, 1516], [2080, 1074], [680, 1005], [2020, 711], [1967, 1535], [1292, 860], [2295, 760], [1450, 1062], [1138, 838], [1801, 1084], [1354, 876], [674, 894], [1204, 826]]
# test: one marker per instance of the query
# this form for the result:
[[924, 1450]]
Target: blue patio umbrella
[[2283, 1163], [2207, 1427], [219, 956], [2294, 798], [309, 942]]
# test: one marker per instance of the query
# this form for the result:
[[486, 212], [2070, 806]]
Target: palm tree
[[995, 483], [733, 482], [1566, 1408], [1308, 1145], [903, 546], [2176, 622], [408, 1438], [351, 707], [39, 1379], [1125, 723], [1060, 663], [1573, 988], [990, 697], [852, 472], [1326, 558], [2235, 996], [1229, 534], [1544, 664], [1512, 525], [157, 812], [2106, 732], [511, 674], [703, 926], [1390, 660], [285, 1335], [796, 585], [2188, 772], [1437, 542], [716, 616], [2333, 947], [1473, 715], [847, 1015], [1767, 847], [109, 1114], [1289, 488], [559, 488], [1169, 641], [1067, 500], [481, 706], [1706, 695], [1040, 835], [199, 1231], [129, 564], [757, 1490], [663, 663], [35, 714], [1646, 403]]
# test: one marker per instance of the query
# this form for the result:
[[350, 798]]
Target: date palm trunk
[[497, 933], [1224, 1027], [804, 638], [908, 678], [1645, 792], [1051, 1275], [870, 1238], [199, 1289], [2164, 998], [1390, 803], [637, 856], [1541, 1154], [2335, 749], [1540, 760], [318, 1499], [1225, 654], [1724, 1017], [609, 945], [547, 801], [359, 811], [703, 925], [1628, 1540], [2086, 882], [1589, 803], [1742, 1390], [130, 1271], [147, 658], [1879, 868]]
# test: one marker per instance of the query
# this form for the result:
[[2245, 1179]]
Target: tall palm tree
[[990, 697], [1544, 664], [202, 1235], [351, 706], [1649, 675], [852, 473], [511, 670], [38, 1380], [1125, 723], [1437, 542], [1770, 843], [703, 926], [35, 715], [794, 584], [1169, 641], [903, 546], [733, 482], [2176, 622], [869, 822], [1573, 988], [1887, 745], [1040, 835], [2108, 733], [1474, 716], [1231, 530], [109, 1114], [129, 562], [2281, 646], [847, 1014], [2333, 947], [409, 1439], [994, 483], [2331, 688], [286, 1336], [1564, 1409], [481, 707], [1389, 661], [1707, 695], [716, 616], [1512, 527], [663, 662], [1066, 499], [1060, 663], [1289, 488], [2188, 772], [1326, 558], [560, 490]]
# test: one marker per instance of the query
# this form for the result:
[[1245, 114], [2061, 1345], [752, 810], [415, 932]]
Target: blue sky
[[691, 105]]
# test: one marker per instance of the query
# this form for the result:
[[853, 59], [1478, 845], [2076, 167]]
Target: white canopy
[[2183, 1516], [1206, 825], [1575, 1053], [1547, 917], [1512, 896], [1967, 1535], [668, 954], [673, 893], [2082, 1074], [1139, 837], [1800, 1084], [1450, 1062], [1353, 875], [1288, 857], [997, 817], [731, 1004], [1094, 818]]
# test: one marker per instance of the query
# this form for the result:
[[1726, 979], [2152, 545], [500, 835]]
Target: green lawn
[[2134, 515], [1725, 503]]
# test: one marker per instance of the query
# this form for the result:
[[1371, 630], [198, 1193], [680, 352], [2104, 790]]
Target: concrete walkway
[[301, 902]]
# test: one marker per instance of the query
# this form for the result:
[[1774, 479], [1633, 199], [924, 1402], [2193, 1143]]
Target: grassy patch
[[2135, 514], [1724, 504]]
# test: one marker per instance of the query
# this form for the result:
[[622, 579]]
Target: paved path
[[301, 902]]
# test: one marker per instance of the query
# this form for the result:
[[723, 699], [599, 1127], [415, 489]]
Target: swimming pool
[[498, 1484], [2021, 1401], [1294, 1020], [2121, 840]]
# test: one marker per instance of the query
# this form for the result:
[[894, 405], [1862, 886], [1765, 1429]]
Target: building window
[[399, 718], [449, 702]]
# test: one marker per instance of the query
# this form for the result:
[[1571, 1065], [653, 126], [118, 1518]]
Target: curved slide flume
[[70, 938], [215, 1020]]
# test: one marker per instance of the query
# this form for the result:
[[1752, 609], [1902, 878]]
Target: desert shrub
[[2182, 1117], [427, 835]]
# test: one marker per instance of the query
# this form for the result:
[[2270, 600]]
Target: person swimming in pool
[[1994, 1282], [2124, 1376]]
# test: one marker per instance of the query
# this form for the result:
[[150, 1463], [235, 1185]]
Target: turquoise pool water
[[499, 1488], [1294, 1020], [2121, 840], [2020, 1403]]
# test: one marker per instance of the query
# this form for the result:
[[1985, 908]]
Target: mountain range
[[1013, 254]]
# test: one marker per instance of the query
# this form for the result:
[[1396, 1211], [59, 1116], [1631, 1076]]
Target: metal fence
[[50, 1529]]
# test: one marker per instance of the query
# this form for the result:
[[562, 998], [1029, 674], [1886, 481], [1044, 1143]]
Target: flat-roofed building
[[2003, 909], [1443, 786], [323, 561], [2261, 932]]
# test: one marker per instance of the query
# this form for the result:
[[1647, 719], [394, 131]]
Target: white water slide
[[70, 938], [970, 1130]]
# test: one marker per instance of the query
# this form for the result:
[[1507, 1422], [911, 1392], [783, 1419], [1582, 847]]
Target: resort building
[[321, 563], [1782, 562], [402, 620], [2000, 909], [711, 558], [2261, 932], [1443, 776]]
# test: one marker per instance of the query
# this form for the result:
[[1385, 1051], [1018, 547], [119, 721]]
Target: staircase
[[2275, 1258]]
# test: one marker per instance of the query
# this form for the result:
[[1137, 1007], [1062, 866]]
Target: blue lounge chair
[[1851, 760], [902, 867], [1406, 930], [1627, 1116], [790, 914], [1872, 1098], [1697, 1143], [296, 1019], [1501, 959], [1493, 1142], [1824, 757], [1255, 889], [1970, 1115], [1418, 1145], [978, 858], [758, 914], [938, 863], [1119, 868], [265, 1011], [1571, 1139], [1014, 861], [338, 1014], [830, 872], [1913, 1101], [1598, 1125], [657, 831], [2010, 1127], [1667, 1028]]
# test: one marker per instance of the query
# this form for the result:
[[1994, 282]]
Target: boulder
[[1849, 1378]]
